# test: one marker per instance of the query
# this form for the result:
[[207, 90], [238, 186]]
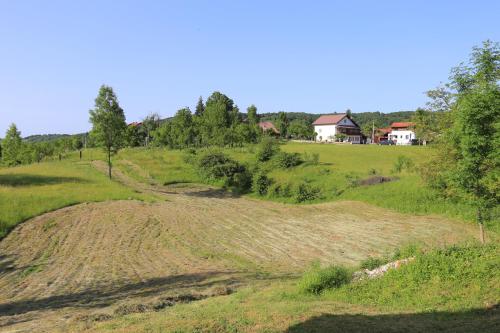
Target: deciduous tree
[[108, 122]]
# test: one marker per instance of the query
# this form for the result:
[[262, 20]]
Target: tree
[[12, 146], [199, 107], [252, 115], [300, 129], [181, 129], [149, 125], [283, 124], [426, 125], [470, 153], [348, 112], [108, 122], [217, 118]]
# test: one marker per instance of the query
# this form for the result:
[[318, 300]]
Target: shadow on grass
[[213, 193], [468, 321], [16, 180], [111, 292]]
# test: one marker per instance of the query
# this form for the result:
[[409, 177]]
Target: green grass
[[335, 176], [450, 290], [31, 190], [453, 278]]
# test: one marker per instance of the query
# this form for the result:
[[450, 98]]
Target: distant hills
[[362, 118]]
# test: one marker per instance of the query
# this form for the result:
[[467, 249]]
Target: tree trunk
[[481, 225], [109, 163]]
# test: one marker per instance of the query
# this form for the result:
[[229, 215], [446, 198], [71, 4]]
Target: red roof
[[384, 130], [267, 125], [329, 119], [402, 125], [135, 123]]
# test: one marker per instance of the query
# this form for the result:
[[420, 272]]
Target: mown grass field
[[31, 190], [450, 290], [338, 167]]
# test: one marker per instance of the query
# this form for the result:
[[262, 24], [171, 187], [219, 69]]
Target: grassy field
[[31, 190], [439, 291], [339, 167]]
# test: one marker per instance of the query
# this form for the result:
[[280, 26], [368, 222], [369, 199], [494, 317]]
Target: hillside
[[105, 259], [361, 118]]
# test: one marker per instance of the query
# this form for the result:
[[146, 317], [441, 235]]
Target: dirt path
[[94, 258]]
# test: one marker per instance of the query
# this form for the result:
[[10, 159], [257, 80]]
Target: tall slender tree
[[200, 107], [12, 146], [108, 122], [469, 160]]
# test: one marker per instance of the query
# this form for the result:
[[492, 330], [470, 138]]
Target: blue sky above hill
[[159, 56]]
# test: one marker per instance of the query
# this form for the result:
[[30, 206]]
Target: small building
[[337, 128], [268, 127], [382, 134], [402, 133]]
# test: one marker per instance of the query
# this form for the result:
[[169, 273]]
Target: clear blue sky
[[311, 56]]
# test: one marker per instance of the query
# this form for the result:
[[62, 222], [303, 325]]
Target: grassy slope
[[31, 190], [451, 290], [337, 162]]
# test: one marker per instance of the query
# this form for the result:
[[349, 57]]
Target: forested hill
[[362, 118], [45, 137]]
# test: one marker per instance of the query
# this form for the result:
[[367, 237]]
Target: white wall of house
[[402, 137], [325, 133]]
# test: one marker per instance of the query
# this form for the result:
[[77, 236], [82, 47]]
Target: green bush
[[189, 156], [352, 180], [287, 160], [318, 279], [307, 192], [280, 190], [372, 263], [218, 166], [261, 183], [268, 147]]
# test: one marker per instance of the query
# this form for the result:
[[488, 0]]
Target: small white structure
[[402, 133], [337, 127]]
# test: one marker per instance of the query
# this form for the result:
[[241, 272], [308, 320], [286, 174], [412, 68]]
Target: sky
[[160, 56]]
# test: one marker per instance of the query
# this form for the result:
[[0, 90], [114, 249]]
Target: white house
[[402, 133], [337, 127]]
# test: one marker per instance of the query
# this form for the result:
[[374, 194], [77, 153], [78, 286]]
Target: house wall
[[325, 133], [402, 137]]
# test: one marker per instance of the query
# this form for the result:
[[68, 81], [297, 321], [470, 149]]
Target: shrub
[[307, 192], [287, 160], [189, 156], [403, 162], [280, 190], [407, 251], [261, 183], [318, 279], [311, 158], [372, 171], [352, 180], [267, 149], [217, 166], [372, 263]]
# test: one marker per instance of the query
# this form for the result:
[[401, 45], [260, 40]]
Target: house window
[[407, 137]]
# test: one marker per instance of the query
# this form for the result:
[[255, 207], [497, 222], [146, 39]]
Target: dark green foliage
[[280, 190], [200, 107], [301, 129], [287, 160], [268, 147], [217, 166], [306, 192], [318, 279], [283, 124], [261, 183]]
